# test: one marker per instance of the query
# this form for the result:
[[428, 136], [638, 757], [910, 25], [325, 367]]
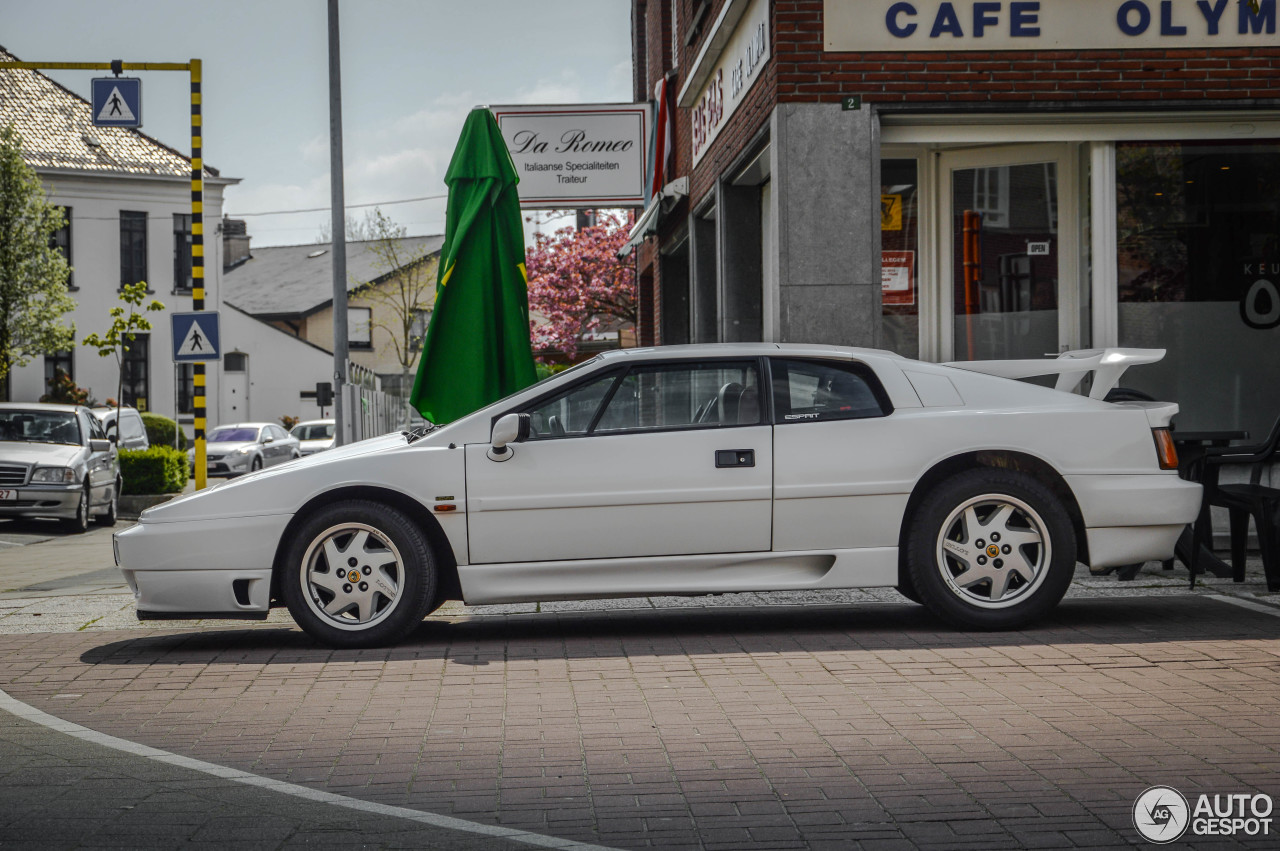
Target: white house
[[128, 203]]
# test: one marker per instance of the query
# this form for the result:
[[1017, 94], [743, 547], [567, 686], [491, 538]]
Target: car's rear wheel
[[80, 522], [359, 574], [991, 549], [109, 518]]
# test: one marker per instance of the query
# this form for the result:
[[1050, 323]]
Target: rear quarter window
[[818, 390]]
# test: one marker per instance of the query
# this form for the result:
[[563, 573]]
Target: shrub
[[160, 469], [160, 431]]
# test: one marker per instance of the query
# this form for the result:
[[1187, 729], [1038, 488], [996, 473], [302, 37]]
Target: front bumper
[[227, 465], [202, 568], [61, 501]]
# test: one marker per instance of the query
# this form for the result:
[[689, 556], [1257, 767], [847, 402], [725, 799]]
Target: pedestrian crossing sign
[[196, 336], [117, 101]]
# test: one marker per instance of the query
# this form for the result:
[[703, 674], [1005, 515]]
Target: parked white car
[[314, 435], [132, 433], [56, 461], [237, 448], [694, 470]]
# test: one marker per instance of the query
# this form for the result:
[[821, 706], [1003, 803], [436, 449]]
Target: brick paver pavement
[[783, 727]]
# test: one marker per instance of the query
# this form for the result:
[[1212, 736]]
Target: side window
[[693, 395], [571, 412], [816, 390]]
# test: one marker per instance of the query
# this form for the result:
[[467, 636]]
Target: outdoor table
[[1191, 446]]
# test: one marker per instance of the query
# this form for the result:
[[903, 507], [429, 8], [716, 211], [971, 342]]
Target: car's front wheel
[[111, 515], [80, 521], [359, 574], [991, 549]]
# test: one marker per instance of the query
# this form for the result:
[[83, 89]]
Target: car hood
[[46, 454], [314, 445], [276, 490]]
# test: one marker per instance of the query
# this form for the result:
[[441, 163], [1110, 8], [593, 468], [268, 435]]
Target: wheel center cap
[[993, 551]]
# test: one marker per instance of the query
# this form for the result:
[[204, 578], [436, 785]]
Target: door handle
[[735, 457]]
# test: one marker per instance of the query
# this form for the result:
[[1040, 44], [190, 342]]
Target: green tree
[[125, 326], [33, 273]]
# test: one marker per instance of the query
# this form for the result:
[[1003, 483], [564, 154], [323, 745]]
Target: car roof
[[241, 425], [702, 350], [315, 422], [39, 406]]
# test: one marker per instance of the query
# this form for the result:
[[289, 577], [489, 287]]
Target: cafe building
[[971, 180]]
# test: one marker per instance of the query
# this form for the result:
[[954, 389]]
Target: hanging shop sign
[[578, 156], [741, 63], [884, 25]]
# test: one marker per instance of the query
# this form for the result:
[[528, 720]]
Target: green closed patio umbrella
[[477, 346]]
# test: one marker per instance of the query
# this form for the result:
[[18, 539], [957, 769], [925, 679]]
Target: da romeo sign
[[870, 25], [585, 155]]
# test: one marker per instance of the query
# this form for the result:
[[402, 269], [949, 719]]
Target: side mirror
[[268, 439], [97, 444], [113, 438], [512, 428]]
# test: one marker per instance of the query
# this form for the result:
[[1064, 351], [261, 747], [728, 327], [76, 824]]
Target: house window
[[182, 252], [61, 240], [234, 362], [359, 327], [133, 247], [418, 330], [136, 372], [186, 388], [63, 361]]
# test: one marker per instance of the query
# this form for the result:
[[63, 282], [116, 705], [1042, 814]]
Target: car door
[[101, 466], [278, 449], [657, 459], [837, 456]]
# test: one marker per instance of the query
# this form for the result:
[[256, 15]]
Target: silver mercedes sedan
[[56, 461]]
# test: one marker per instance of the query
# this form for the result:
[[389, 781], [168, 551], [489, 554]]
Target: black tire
[[109, 519], [907, 589], [361, 614], [1035, 553], [80, 523], [255, 465]]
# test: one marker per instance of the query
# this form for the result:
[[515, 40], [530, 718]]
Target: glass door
[[1007, 220]]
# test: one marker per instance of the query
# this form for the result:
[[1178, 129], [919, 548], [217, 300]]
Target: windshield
[[39, 427], [233, 435], [314, 431]]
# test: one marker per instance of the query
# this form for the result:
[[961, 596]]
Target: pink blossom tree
[[578, 283]]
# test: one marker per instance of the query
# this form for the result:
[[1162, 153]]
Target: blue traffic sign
[[117, 102], [196, 336]]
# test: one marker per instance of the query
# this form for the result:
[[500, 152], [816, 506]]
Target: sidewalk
[[709, 723]]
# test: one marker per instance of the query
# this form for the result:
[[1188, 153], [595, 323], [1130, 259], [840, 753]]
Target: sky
[[411, 70]]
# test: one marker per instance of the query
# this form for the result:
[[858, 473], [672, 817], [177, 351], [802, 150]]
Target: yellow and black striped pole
[[197, 211], [197, 269]]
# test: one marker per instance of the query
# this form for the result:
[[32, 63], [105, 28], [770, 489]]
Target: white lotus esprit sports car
[[695, 470]]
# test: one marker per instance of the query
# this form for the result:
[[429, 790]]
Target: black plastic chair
[[1242, 501]]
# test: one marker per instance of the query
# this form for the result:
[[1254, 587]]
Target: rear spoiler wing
[[1107, 365]]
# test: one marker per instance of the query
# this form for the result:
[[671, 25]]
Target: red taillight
[[1165, 450]]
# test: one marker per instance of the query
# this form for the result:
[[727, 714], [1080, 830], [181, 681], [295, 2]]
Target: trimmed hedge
[[160, 469], [160, 431]]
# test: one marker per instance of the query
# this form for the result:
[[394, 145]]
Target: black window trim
[[861, 368]]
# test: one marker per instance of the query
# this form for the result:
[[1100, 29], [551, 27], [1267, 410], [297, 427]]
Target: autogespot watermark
[[1162, 814]]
